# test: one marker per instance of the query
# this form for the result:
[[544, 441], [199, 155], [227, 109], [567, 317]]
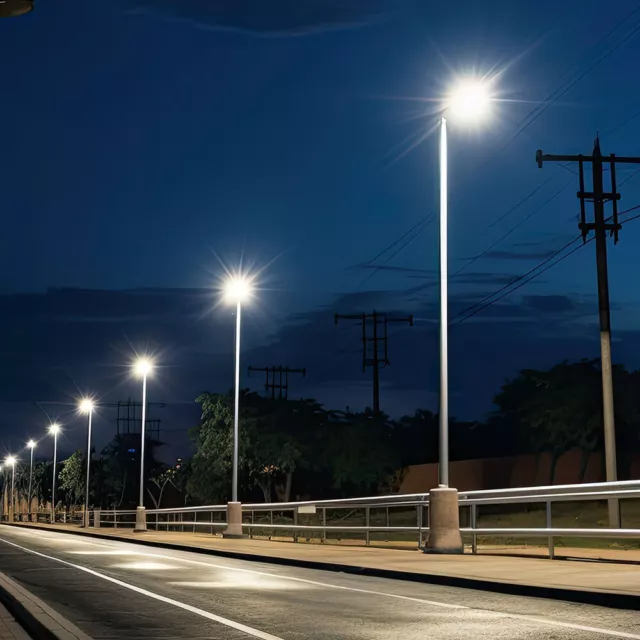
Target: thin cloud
[[273, 18]]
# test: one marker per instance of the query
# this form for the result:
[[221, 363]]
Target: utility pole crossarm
[[283, 379], [371, 356], [548, 157]]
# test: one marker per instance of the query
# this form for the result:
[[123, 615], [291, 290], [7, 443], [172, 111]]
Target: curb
[[38, 619], [610, 599]]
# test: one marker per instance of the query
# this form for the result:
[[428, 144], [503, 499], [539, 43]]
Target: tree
[[558, 409], [120, 469], [359, 451], [212, 463], [160, 482]]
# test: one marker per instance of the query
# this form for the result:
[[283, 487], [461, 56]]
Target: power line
[[562, 90], [509, 232], [526, 122], [534, 273], [517, 279], [521, 284]]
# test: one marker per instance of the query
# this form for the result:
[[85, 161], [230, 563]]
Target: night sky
[[148, 144]]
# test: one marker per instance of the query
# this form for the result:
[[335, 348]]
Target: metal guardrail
[[323, 519], [399, 517]]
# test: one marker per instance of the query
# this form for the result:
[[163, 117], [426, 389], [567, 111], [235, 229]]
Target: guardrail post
[[96, 518], [551, 546], [295, 524], [324, 524], [387, 532], [195, 519], [115, 519], [271, 522], [367, 522], [419, 521], [474, 536]]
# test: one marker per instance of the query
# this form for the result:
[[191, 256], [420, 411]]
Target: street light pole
[[142, 368], [443, 466], [11, 461], [469, 102], [13, 490], [237, 290], [32, 445], [4, 488], [86, 406], [53, 430], [236, 408]]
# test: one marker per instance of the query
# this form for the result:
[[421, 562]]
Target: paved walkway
[[590, 576], [9, 628]]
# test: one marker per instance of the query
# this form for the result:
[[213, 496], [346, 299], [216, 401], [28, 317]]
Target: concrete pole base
[[234, 521], [141, 520], [444, 522]]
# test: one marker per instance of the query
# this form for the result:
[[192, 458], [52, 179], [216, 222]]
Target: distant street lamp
[[469, 102], [237, 290], [54, 430], [86, 406], [31, 445], [142, 368], [14, 8], [11, 461]]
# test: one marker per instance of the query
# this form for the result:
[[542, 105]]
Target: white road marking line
[[256, 633], [516, 616]]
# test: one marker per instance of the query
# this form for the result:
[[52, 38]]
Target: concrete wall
[[515, 471]]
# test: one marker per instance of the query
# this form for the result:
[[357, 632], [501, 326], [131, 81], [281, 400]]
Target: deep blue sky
[[143, 139]]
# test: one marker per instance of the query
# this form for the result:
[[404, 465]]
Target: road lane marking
[[256, 633], [498, 614]]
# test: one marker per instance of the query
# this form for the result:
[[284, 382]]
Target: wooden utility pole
[[283, 379], [600, 226], [375, 360]]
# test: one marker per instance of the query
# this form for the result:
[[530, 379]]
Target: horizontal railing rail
[[397, 517]]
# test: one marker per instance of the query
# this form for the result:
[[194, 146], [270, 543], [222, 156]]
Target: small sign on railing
[[307, 508]]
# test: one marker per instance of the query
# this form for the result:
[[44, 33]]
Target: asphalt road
[[112, 589]]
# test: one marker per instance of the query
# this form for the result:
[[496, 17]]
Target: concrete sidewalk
[[9, 628], [590, 582]]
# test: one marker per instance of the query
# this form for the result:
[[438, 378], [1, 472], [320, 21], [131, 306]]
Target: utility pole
[[283, 379], [600, 226], [374, 319]]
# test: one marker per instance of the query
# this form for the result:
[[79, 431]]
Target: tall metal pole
[[443, 465], [30, 482], [234, 481], [605, 332], [13, 491], [142, 439], [4, 487], [87, 481], [53, 483]]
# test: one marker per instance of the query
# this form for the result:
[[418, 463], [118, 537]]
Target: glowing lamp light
[[31, 444], [54, 429], [143, 367], [238, 289], [86, 405], [10, 460], [470, 100]]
